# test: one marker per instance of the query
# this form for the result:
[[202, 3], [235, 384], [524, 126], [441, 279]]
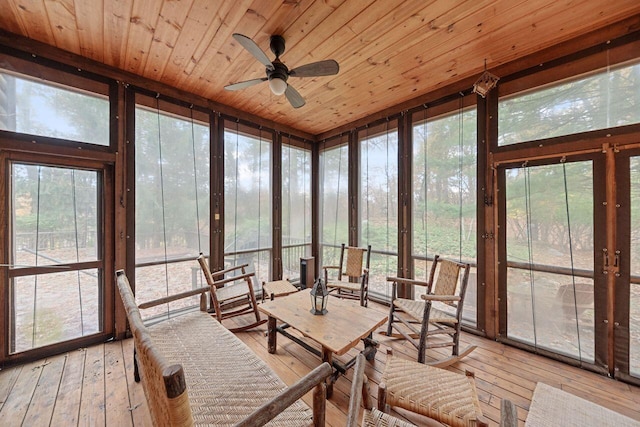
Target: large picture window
[[603, 99], [379, 203], [444, 195], [296, 208], [334, 207], [172, 204], [247, 207], [51, 110]]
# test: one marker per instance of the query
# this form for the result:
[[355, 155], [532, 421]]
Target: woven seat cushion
[[344, 285], [232, 291], [279, 287], [226, 381], [376, 418], [436, 393], [416, 308]]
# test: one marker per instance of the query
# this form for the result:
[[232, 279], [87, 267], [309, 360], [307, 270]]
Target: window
[[379, 203], [44, 109], [247, 195], [601, 100], [296, 208], [172, 205], [444, 195], [334, 207]]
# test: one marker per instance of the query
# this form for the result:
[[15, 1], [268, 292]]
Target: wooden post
[[271, 334]]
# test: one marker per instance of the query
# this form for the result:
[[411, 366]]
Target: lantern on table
[[319, 296]]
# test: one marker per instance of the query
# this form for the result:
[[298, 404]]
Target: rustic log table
[[344, 325]]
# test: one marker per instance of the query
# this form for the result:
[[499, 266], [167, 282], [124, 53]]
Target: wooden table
[[338, 331]]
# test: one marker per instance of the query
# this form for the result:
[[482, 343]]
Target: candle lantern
[[319, 297]]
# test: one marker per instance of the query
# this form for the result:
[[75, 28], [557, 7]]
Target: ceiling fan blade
[[253, 49], [245, 84], [295, 99], [327, 67]]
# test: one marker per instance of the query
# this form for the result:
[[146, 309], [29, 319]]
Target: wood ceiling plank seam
[[491, 32], [228, 17], [145, 15], [378, 89], [218, 56], [202, 15], [33, 15], [391, 53], [61, 14], [10, 19], [90, 28], [469, 27], [171, 21], [529, 42], [279, 22], [305, 49], [117, 15], [389, 44], [347, 35], [262, 39]]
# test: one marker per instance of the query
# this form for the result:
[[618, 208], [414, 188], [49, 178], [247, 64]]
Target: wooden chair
[[277, 288], [352, 279], [439, 312], [444, 396], [360, 395], [231, 296]]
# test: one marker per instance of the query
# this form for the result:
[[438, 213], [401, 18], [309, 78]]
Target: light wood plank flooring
[[94, 386]]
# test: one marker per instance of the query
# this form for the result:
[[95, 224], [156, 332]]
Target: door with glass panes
[[569, 253], [55, 295]]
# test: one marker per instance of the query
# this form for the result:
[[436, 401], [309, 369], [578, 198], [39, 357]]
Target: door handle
[[605, 261]]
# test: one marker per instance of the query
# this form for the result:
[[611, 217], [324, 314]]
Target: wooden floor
[[94, 386]]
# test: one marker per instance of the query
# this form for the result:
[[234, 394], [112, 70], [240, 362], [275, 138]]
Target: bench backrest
[[164, 385]]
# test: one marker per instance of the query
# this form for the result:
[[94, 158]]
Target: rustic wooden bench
[[194, 371]]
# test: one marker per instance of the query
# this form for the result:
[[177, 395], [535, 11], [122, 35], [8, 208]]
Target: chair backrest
[[205, 270], [356, 262], [447, 280]]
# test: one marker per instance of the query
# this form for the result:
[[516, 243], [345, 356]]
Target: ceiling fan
[[278, 73]]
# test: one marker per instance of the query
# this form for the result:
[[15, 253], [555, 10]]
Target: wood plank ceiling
[[389, 51]]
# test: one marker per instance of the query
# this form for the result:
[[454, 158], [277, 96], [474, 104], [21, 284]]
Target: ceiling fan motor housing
[[280, 71], [277, 45]]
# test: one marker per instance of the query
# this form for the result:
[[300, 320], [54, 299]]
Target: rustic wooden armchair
[[447, 397], [361, 396], [352, 277], [438, 313], [232, 296]]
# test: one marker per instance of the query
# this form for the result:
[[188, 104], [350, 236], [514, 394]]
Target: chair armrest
[[271, 409], [401, 280], [228, 270], [327, 267], [220, 282], [175, 297], [508, 414], [445, 298], [359, 392]]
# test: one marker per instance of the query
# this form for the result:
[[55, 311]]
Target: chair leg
[[390, 321], [382, 397], [456, 341], [423, 333]]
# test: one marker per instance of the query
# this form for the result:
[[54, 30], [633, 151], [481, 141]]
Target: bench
[[195, 372]]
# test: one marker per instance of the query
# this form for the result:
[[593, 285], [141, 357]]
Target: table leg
[[327, 356], [271, 334]]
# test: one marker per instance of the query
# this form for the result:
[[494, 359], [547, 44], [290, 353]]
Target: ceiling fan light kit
[[278, 73]]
